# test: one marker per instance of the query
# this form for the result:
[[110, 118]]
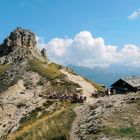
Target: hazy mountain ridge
[[106, 75]]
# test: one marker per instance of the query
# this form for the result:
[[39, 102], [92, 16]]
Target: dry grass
[[51, 127]]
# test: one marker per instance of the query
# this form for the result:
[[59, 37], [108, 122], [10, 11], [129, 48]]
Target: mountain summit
[[18, 38]]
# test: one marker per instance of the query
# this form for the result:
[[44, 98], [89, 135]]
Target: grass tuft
[[128, 131], [3, 68]]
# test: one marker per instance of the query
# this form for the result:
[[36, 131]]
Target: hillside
[[28, 79]]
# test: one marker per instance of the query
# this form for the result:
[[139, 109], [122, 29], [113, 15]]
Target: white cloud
[[40, 42], [134, 15], [86, 50], [131, 55], [58, 46]]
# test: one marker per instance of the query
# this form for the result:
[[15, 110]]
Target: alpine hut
[[128, 84]]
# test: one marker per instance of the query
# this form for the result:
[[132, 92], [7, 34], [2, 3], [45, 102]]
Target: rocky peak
[[18, 38], [23, 37]]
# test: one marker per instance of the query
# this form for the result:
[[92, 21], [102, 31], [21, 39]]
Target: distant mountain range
[[106, 75]]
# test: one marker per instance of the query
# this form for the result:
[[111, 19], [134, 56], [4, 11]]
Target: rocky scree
[[14, 54]]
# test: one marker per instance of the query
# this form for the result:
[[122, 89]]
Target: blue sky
[[66, 18], [60, 18]]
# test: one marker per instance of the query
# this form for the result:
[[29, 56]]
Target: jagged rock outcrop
[[17, 46], [18, 38], [15, 52]]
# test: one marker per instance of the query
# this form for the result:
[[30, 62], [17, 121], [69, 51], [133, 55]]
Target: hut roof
[[133, 81]]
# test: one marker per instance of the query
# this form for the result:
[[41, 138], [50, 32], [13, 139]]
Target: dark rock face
[[12, 75], [18, 38]]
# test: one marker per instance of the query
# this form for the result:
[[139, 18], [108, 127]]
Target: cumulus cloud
[[86, 50], [134, 15]]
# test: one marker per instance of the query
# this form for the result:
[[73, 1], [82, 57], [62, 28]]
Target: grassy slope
[[50, 71], [54, 126]]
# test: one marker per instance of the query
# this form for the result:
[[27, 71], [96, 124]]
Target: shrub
[[128, 131], [3, 68]]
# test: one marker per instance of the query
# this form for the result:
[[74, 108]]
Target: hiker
[[80, 99], [109, 93], [85, 98]]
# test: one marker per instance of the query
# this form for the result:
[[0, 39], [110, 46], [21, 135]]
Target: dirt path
[[86, 86], [75, 124], [87, 90]]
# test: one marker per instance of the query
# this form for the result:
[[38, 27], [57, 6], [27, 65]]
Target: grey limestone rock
[[18, 38]]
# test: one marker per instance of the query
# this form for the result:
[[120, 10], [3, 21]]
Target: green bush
[[128, 131]]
